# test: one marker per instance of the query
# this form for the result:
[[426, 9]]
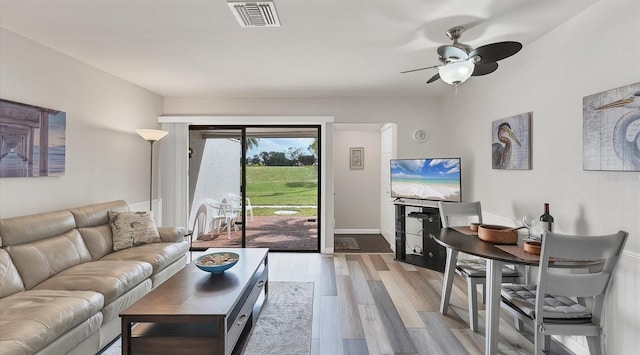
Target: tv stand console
[[417, 224]]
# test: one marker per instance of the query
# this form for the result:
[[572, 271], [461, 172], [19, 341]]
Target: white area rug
[[284, 325]]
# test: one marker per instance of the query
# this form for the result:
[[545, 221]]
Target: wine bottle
[[546, 220]]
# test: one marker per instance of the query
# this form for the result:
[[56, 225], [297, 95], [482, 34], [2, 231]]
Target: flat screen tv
[[434, 179]]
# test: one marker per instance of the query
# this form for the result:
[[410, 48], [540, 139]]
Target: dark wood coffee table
[[195, 312]]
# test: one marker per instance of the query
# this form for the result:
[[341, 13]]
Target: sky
[[280, 145]]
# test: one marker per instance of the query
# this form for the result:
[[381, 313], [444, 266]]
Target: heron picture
[[511, 142], [32, 140], [611, 129]]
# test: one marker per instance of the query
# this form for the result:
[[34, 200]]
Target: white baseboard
[[356, 231]]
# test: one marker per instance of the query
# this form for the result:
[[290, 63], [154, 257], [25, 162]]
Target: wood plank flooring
[[372, 304]]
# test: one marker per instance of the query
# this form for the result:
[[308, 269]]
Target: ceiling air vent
[[255, 14]]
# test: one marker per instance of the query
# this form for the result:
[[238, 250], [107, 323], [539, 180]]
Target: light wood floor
[[371, 304]]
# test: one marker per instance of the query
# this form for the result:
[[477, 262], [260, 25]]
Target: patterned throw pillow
[[132, 228]]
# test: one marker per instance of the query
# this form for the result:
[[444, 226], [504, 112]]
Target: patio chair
[[473, 270], [200, 223], [564, 303], [236, 204], [222, 215]]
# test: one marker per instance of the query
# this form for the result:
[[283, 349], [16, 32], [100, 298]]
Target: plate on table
[[217, 263]]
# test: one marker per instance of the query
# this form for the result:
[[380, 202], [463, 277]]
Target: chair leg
[[473, 304], [538, 341], [449, 274], [595, 345], [546, 345]]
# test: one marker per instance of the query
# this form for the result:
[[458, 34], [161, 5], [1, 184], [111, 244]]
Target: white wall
[[595, 51], [213, 182], [357, 192], [105, 158]]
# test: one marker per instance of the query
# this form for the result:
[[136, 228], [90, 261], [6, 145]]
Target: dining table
[[457, 239]]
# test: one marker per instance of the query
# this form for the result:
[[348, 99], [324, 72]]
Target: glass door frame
[[243, 173]]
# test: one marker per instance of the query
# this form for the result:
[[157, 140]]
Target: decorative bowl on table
[[497, 234], [474, 226], [217, 263], [532, 247]]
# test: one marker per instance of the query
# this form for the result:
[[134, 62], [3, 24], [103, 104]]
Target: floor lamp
[[152, 136]]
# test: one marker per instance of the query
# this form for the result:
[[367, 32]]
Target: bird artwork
[[507, 151], [612, 130]]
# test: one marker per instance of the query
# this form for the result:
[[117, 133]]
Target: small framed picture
[[356, 158]]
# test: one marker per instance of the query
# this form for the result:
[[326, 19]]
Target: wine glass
[[528, 221]]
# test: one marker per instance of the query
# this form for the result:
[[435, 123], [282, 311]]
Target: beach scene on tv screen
[[426, 179]]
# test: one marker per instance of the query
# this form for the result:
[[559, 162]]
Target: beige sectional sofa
[[61, 284]]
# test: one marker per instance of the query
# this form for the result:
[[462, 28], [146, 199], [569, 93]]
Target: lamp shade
[[456, 73], [151, 134]]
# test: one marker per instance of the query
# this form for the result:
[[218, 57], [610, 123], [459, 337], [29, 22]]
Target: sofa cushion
[[38, 261], [10, 281], [27, 229], [132, 229], [111, 278], [97, 214], [32, 319], [159, 255], [99, 240]]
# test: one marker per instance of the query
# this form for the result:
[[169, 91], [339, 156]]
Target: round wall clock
[[420, 135]]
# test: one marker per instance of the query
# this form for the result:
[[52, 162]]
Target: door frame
[[174, 164], [242, 130]]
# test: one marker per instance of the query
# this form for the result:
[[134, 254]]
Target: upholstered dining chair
[[473, 270], [558, 303]]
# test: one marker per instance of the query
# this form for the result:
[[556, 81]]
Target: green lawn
[[282, 186]]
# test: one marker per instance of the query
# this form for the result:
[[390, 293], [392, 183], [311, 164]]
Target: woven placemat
[[465, 230]]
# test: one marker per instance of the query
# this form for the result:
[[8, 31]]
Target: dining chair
[[473, 270], [236, 204], [221, 215], [558, 303]]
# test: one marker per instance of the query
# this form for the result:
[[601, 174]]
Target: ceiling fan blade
[[496, 51], [433, 78], [412, 70], [484, 69], [452, 53]]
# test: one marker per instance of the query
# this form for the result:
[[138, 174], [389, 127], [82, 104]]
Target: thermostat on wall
[[420, 135]]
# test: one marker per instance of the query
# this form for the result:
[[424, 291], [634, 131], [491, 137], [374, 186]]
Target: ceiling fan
[[461, 61]]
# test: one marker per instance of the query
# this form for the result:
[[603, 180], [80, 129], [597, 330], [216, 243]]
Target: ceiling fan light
[[456, 73]]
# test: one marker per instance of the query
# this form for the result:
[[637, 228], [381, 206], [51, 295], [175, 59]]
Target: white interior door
[[387, 210]]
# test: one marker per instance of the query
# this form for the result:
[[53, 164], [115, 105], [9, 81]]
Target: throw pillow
[[132, 228]]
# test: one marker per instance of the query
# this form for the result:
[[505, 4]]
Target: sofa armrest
[[172, 234]]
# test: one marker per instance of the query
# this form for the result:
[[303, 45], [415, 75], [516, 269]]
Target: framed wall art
[[611, 129], [356, 158], [32, 140], [511, 142]]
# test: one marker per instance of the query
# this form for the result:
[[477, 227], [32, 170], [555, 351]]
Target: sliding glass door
[[254, 186]]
